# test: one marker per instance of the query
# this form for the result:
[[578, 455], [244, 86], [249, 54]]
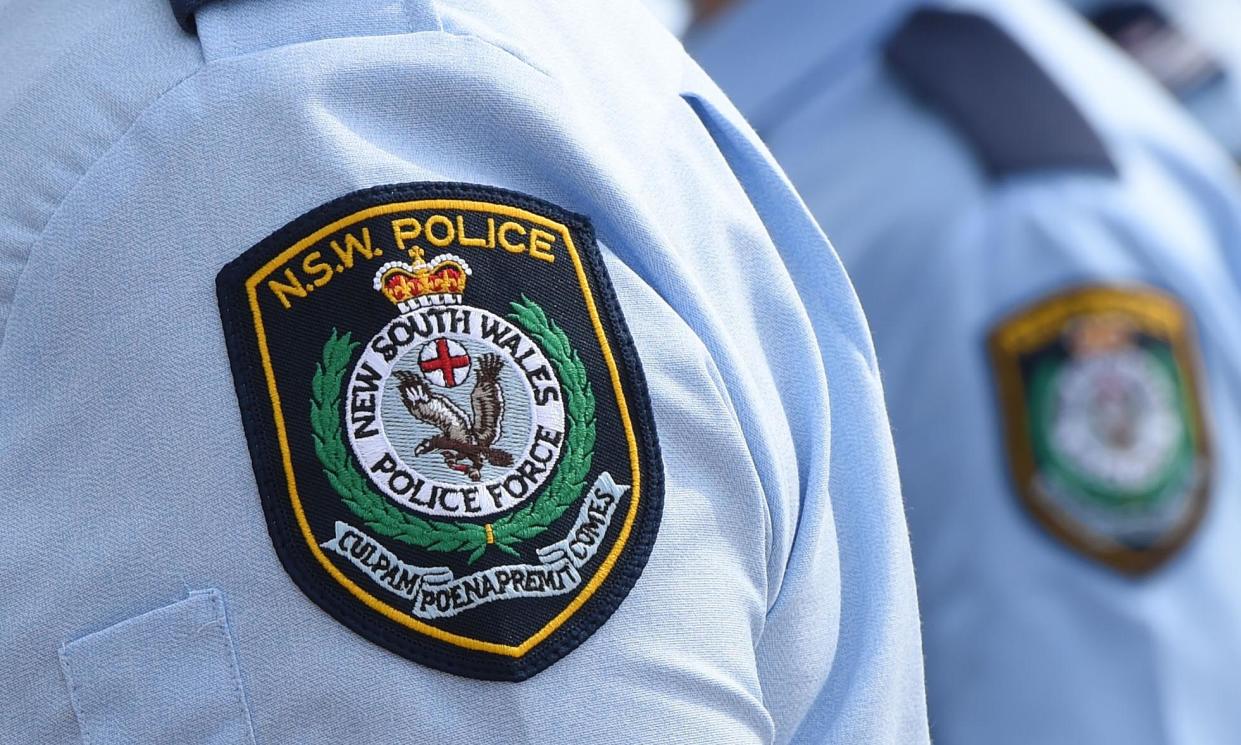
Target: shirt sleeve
[[848, 524], [776, 601]]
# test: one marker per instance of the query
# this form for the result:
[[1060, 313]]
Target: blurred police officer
[[1047, 253], [1189, 46], [425, 372]]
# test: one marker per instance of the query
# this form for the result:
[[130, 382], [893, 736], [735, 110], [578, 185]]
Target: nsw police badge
[[448, 422], [1107, 437]]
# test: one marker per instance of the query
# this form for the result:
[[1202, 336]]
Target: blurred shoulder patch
[[1107, 438], [448, 422]]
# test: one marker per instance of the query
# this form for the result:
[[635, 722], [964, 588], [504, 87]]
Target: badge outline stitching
[[1003, 353], [627, 558]]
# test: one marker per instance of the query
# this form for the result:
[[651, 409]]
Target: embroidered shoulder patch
[[448, 422], [1106, 433]]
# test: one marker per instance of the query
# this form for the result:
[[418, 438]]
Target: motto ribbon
[[437, 594]]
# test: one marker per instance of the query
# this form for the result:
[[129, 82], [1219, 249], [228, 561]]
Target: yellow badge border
[[1036, 325], [370, 600]]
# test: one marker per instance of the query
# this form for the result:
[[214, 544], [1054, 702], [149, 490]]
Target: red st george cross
[[444, 361]]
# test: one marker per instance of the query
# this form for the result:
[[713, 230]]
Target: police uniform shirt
[[1056, 327], [1190, 47], [219, 243]]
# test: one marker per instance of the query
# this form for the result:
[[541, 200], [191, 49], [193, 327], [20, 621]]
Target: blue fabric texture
[[1026, 641], [169, 675], [777, 604]]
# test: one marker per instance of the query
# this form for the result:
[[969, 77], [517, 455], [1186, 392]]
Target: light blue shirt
[[1211, 27], [142, 599], [1026, 641]]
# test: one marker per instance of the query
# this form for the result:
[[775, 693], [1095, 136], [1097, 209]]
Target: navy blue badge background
[[349, 303]]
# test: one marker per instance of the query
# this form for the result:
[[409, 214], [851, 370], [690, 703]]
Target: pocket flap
[[167, 676]]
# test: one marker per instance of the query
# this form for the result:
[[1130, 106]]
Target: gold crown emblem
[[1100, 334], [410, 286]]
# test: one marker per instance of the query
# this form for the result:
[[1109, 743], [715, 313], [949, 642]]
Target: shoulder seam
[[90, 167]]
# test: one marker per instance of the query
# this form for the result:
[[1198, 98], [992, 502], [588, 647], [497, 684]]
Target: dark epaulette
[[1005, 104], [184, 11]]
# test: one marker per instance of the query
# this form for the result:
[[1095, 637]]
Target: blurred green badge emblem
[[1106, 434]]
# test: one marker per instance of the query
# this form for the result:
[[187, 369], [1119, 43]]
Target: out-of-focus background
[[1039, 204]]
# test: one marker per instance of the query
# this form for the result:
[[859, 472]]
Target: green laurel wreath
[[385, 518]]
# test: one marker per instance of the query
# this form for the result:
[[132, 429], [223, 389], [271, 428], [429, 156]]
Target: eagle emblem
[[465, 444], [431, 441]]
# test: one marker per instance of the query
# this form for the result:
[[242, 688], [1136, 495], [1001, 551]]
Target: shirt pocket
[[167, 676]]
